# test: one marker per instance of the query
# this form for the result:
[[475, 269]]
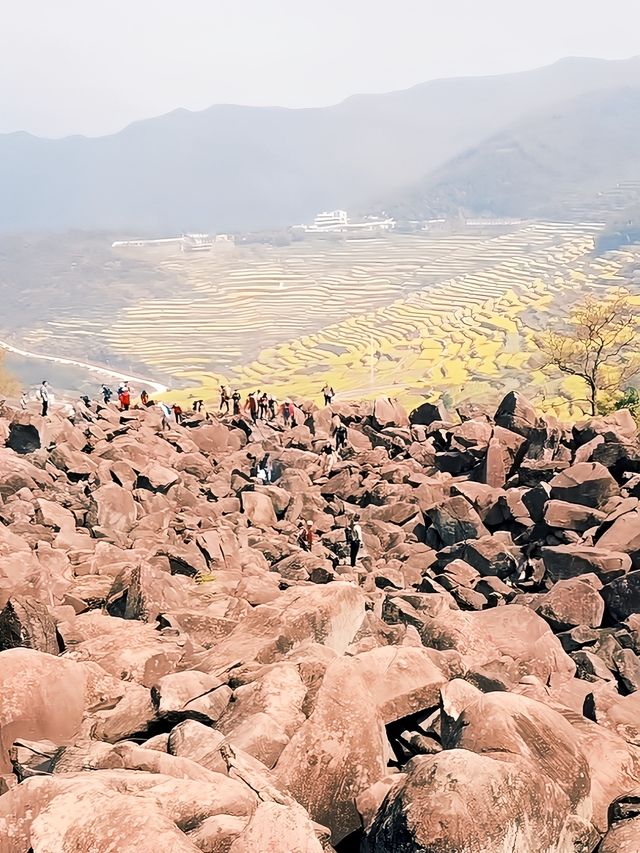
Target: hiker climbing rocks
[[124, 396], [236, 402], [43, 395], [328, 394], [224, 400], [329, 459], [341, 437], [177, 413], [197, 405], [263, 400], [272, 404], [144, 398], [253, 465], [107, 394], [354, 539], [266, 468], [306, 534], [24, 400], [252, 405], [166, 416]]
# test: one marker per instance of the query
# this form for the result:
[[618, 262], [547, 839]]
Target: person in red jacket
[[124, 395]]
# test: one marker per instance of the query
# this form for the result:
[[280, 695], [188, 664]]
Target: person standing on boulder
[[263, 400], [166, 416], [329, 459], [24, 400], [107, 394], [328, 394], [224, 400], [272, 405], [236, 401], [341, 437], [354, 539], [43, 393], [252, 405], [124, 395], [306, 535], [144, 397]]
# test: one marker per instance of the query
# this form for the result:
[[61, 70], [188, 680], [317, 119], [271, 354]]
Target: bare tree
[[598, 344]]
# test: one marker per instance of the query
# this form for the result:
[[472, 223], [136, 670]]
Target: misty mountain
[[240, 168], [554, 162]]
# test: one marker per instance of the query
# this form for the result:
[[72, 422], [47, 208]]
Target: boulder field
[[180, 671]]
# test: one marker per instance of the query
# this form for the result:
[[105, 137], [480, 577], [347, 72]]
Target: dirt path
[[104, 372]]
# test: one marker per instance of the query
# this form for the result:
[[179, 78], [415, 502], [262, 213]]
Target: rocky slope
[[177, 673]]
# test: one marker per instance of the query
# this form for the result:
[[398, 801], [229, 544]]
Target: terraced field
[[413, 316]]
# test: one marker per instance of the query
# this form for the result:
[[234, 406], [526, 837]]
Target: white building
[[338, 221], [330, 220], [196, 242]]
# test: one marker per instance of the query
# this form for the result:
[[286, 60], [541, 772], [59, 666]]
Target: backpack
[[352, 535]]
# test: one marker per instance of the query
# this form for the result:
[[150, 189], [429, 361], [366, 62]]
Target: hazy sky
[[92, 66]]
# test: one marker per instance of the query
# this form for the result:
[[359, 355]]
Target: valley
[[415, 316]]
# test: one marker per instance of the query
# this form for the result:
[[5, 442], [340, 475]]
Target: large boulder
[[623, 535], [456, 520], [117, 810], [26, 622], [428, 413], [516, 413], [339, 752], [505, 723], [330, 615], [462, 802], [47, 697], [569, 561], [587, 483], [278, 827], [113, 508], [573, 602], [514, 632], [622, 596]]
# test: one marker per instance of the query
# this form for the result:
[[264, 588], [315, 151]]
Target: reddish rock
[[113, 508], [587, 483], [456, 520], [572, 602], [275, 826], [569, 516], [258, 508], [328, 762], [623, 535], [622, 596], [568, 561], [498, 804], [516, 413], [388, 412], [26, 622]]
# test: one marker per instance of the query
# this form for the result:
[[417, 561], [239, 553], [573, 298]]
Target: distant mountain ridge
[[554, 163], [244, 168]]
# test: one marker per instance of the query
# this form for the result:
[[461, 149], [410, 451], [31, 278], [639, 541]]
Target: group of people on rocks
[[43, 395], [353, 536], [259, 406], [262, 406]]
